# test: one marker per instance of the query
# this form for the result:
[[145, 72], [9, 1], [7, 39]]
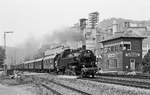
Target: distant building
[[2, 56], [93, 20], [90, 32], [90, 35]]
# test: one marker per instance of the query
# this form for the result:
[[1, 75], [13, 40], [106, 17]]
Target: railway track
[[54, 86], [138, 76], [52, 90], [124, 82], [81, 87]]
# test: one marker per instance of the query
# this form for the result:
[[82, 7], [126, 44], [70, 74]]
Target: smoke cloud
[[63, 35], [33, 46], [28, 49]]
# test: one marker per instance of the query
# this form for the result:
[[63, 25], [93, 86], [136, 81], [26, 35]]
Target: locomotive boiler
[[76, 62]]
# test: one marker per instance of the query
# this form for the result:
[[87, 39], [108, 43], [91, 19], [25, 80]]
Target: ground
[[29, 86], [15, 90], [10, 86]]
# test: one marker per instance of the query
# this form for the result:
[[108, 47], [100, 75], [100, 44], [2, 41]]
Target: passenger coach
[[45, 64]]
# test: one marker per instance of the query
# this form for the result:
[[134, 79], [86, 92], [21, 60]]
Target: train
[[79, 62]]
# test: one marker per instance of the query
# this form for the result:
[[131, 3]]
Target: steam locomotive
[[76, 62], [80, 62]]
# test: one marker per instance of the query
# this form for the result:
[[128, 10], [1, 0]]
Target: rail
[[118, 81], [45, 82]]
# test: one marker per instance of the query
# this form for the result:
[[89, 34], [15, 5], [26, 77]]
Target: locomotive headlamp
[[83, 66]]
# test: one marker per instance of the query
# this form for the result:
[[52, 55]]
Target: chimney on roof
[[114, 27]]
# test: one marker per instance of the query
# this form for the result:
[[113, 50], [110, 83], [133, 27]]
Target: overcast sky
[[35, 18]]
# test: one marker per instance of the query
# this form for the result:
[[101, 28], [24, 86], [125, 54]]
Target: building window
[[121, 47], [127, 47], [107, 65], [117, 48], [115, 63], [112, 48], [108, 49]]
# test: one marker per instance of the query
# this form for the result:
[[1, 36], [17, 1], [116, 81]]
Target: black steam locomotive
[[70, 62], [76, 62]]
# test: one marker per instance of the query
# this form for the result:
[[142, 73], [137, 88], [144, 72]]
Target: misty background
[[34, 48], [37, 24]]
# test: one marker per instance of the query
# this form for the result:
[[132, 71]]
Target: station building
[[122, 52]]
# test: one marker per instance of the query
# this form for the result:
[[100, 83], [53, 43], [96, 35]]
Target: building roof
[[127, 34]]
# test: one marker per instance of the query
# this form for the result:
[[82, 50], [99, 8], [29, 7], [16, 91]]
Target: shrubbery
[[146, 63]]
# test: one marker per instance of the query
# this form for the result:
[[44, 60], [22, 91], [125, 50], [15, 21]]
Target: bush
[[146, 69]]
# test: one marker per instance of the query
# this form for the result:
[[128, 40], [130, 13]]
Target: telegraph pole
[[5, 65]]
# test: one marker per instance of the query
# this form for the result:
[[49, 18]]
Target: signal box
[[122, 52]]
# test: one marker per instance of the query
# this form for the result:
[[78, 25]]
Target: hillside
[[108, 22]]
